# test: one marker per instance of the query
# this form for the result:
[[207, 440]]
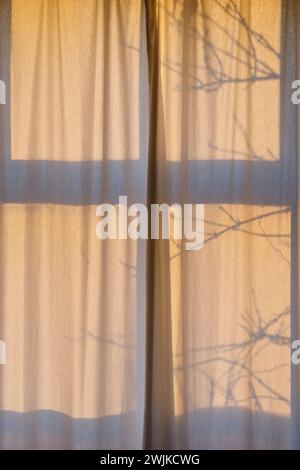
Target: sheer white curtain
[[128, 344], [73, 135], [223, 133]]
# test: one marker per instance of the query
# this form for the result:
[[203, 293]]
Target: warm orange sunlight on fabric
[[149, 232]]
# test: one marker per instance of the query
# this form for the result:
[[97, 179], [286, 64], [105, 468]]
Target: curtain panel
[[140, 343]]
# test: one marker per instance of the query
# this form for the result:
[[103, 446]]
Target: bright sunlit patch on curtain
[[75, 80], [235, 349], [220, 69], [73, 329]]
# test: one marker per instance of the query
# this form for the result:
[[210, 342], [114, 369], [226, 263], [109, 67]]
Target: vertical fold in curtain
[[159, 409]]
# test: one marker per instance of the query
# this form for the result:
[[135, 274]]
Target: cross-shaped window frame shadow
[[210, 182]]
